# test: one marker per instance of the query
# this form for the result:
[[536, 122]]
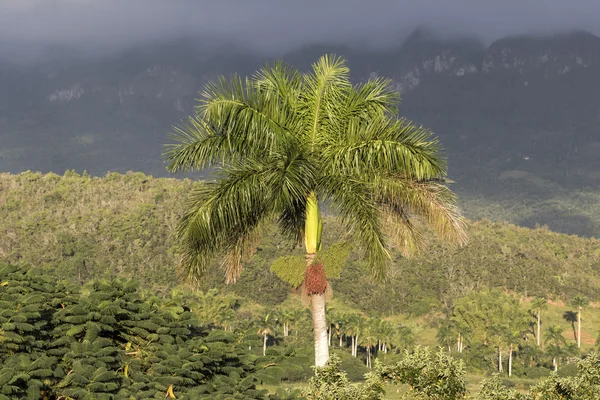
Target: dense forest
[[81, 228], [480, 302]]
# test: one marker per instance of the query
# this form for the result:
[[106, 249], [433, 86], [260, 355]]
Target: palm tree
[[538, 305], [283, 141], [330, 317], [386, 334], [579, 302], [369, 338], [571, 317], [513, 338], [554, 337], [287, 316], [266, 329], [353, 326], [336, 324]]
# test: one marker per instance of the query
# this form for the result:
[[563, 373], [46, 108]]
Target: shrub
[[537, 372], [433, 376], [329, 383], [494, 389]]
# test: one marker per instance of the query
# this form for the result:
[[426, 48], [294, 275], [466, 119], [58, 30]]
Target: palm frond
[[297, 179], [242, 111], [278, 80], [325, 88], [373, 98], [385, 145], [359, 213], [403, 234], [291, 220], [430, 200], [239, 250], [227, 215], [233, 121], [195, 146], [221, 216]]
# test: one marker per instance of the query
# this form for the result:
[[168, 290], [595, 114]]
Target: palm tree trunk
[[369, 357], [555, 364], [319, 329], [329, 338], [499, 359], [264, 345], [510, 351], [352, 345], [539, 325], [356, 346], [341, 337], [579, 328]]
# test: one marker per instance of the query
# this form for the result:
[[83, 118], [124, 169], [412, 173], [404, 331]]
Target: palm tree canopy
[[281, 138], [579, 301], [554, 335], [539, 304]]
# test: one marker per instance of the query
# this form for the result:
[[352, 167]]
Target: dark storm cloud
[[272, 25]]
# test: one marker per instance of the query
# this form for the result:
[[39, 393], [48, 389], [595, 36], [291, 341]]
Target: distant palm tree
[[289, 317], [538, 305], [336, 324], [283, 141], [369, 338], [386, 333], [353, 326], [266, 328], [579, 302], [571, 317], [553, 337]]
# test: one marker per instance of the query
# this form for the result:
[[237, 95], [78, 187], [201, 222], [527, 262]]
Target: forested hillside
[[476, 302], [82, 228]]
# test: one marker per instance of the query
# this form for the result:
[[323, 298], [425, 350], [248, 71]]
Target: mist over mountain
[[519, 118], [30, 28]]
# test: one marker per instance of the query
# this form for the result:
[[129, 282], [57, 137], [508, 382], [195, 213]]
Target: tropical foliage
[[437, 376], [35, 223], [111, 342]]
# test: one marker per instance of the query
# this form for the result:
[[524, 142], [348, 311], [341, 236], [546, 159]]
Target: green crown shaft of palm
[[313, 225], [281, 140]]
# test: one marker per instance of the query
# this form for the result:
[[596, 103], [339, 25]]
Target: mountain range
[[519, 118]]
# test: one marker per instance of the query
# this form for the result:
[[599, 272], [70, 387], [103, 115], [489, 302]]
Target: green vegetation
[[111, 342], [417, 302], [81, 228], [109, 339]]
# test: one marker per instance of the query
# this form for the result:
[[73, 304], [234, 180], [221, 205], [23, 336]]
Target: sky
[[276, 25]]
